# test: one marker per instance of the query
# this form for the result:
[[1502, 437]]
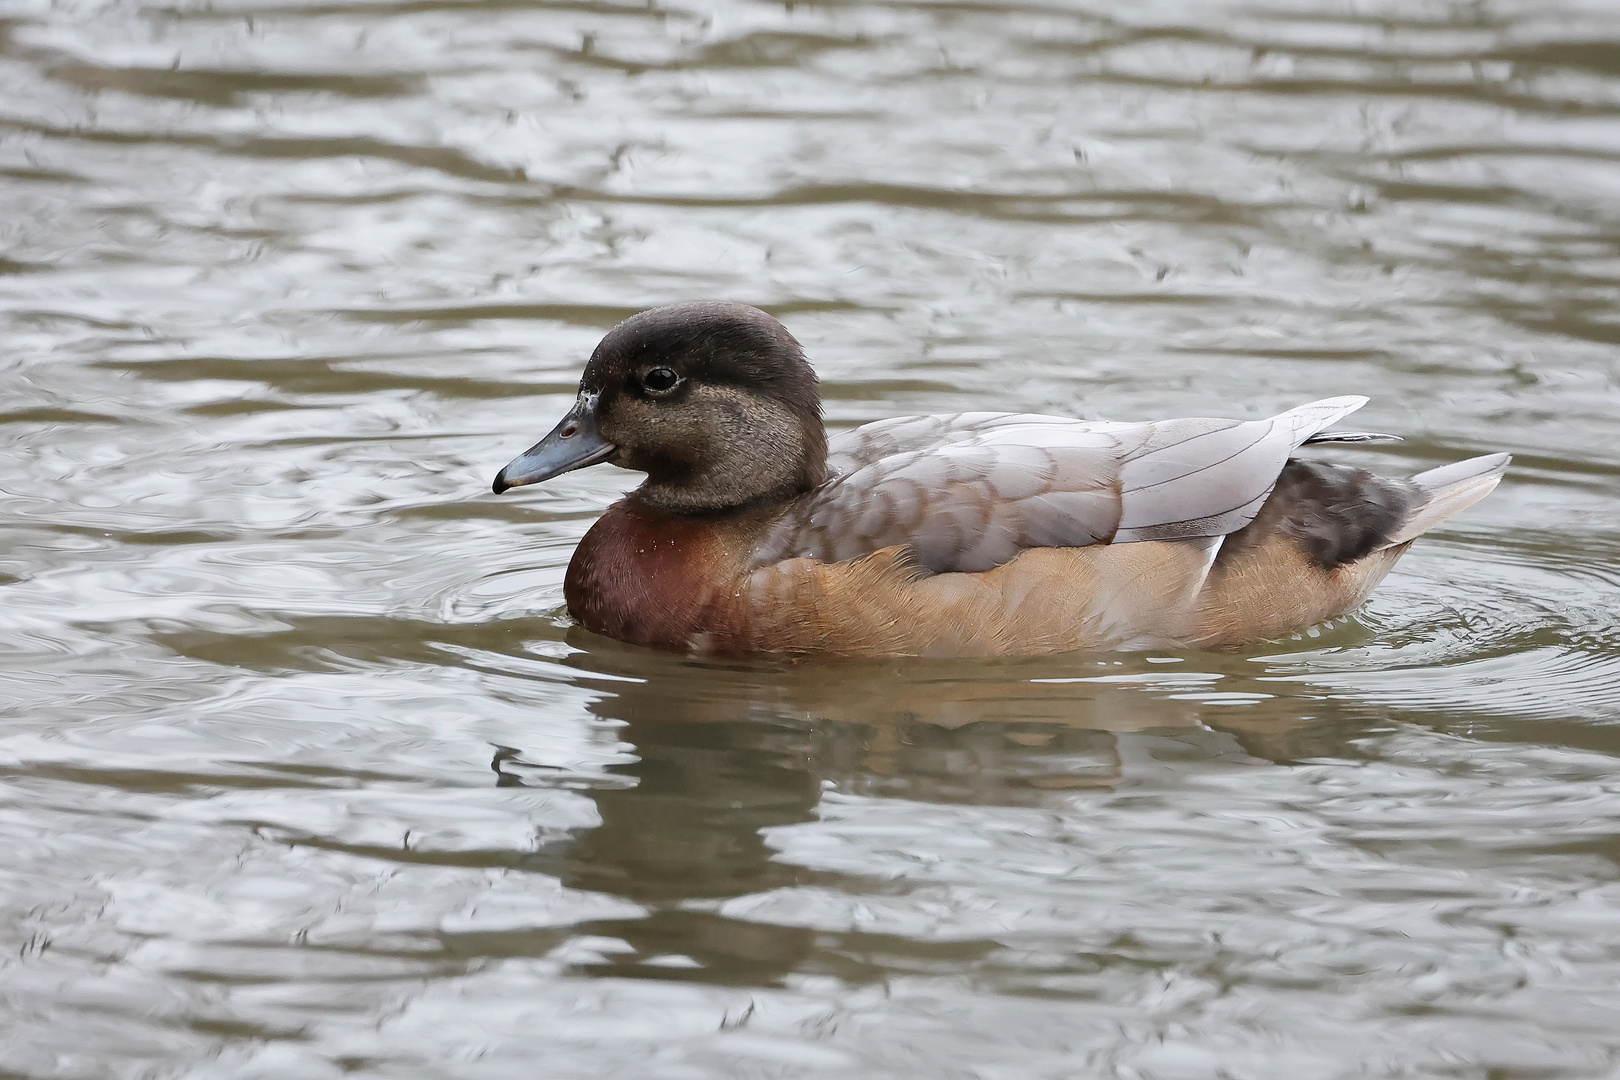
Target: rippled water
[[304, 773]]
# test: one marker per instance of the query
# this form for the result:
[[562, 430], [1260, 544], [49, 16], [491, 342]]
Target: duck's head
[[715, 402]]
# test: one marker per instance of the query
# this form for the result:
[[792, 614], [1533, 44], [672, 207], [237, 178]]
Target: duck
[[966, 535]]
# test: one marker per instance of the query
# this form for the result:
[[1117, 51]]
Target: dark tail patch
[[1336, 514]]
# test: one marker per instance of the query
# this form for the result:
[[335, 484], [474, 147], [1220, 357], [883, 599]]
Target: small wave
[[1504, 630]]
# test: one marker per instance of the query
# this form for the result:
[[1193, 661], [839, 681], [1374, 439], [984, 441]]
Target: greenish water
[[303, 774]]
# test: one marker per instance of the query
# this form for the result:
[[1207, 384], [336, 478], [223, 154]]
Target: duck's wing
[[968, 492]]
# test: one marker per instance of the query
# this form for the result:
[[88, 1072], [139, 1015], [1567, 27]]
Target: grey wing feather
[[970, 491], [1211, 482], [850, 450], [1351, 437]]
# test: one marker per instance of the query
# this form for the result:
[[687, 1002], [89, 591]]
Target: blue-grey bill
[[573, 444]]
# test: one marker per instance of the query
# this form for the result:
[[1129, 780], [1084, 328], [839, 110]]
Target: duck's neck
[[651, 577], [764, 453]]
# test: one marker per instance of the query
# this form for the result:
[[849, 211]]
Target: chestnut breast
[[650, 577]]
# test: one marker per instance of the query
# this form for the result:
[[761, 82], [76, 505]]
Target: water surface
[[304, 774]]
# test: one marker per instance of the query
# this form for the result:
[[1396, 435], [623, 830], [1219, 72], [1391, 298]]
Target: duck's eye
[[659, 380]]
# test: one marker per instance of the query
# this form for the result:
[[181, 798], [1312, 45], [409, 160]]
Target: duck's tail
[[1450, 489]]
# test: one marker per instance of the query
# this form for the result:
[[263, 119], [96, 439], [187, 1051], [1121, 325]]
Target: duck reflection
[[692, 824], [725, 754]]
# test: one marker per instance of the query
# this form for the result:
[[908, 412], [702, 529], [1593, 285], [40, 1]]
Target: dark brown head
[[715, 402]]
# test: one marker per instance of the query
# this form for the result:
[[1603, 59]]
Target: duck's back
[[969, 492], [1008, 534]]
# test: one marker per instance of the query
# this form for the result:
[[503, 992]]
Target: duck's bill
[[573, 444]]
